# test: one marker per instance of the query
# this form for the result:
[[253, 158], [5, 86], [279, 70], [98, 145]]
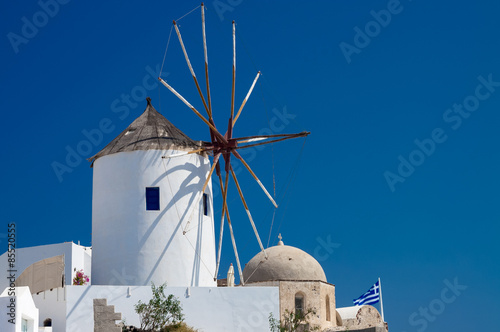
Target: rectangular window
[[299, 304], [205, 204], [24, 325], [152, 198]]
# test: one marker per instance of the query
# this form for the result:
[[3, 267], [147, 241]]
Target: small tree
[[293, 322], [160, 311]]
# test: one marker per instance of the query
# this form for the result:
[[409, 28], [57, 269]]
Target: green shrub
[[293, 322], [160, 311], [179, 327]]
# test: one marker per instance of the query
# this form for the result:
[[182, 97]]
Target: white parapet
[[209, 309]]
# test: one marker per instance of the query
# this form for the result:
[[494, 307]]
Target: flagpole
[[381, 303]]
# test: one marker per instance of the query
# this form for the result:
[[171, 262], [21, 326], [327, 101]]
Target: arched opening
[[300, 303], [327, 306], [47, 322], [338, 319]]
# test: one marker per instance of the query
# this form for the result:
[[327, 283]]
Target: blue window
[[205, 204], [152, 198]]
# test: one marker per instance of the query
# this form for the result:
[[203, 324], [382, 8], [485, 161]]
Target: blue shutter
[[205, 204], [152, 198]]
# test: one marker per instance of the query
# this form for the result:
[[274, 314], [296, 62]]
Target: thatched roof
[[150, 131]]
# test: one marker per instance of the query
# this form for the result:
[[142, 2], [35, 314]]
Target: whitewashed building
[[152, 223], [19, 312]]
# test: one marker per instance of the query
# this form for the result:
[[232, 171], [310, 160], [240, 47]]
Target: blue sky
[[397, 180]]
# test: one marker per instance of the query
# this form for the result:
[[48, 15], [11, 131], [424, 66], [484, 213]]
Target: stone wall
[[364, 318], [314, 293], [369, 329], [105, 317]]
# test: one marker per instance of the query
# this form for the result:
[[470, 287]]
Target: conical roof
[[150, 131]]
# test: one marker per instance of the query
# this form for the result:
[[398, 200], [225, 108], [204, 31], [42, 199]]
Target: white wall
[[5, 325], [81, 260], [24, 308], [27, 256], [132, 246], [210, 309], [52, 304]]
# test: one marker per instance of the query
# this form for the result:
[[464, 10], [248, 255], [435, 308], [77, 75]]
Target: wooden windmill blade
[[248, 139], [234, 74], [207, 122], [240, 192], [223, 189], [207, 80], [226, 145], [270, 138], [237, 155], [184, 153], [246, 98], [191, 68], [205, 54]]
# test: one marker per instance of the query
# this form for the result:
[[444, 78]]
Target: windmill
[[226, 146]]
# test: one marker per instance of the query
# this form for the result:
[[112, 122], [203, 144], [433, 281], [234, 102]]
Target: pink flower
[[80, 278]]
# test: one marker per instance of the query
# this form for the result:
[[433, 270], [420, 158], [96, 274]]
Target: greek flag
[[370, 297]]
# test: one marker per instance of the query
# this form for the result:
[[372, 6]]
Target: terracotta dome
[[283, 263]]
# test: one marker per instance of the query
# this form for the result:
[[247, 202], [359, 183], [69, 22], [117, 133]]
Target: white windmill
[[140, 203]]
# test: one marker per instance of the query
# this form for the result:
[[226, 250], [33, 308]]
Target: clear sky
[[398, 179]]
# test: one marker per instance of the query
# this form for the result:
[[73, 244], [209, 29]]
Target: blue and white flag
[[370, 297]]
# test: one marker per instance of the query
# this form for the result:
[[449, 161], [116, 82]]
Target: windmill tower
[[151, 222]]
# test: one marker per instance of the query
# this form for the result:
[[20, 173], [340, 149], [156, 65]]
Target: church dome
[[283, 263]]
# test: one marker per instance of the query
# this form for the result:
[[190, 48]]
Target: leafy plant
[[179, 327], [160, 311], [80, 278], [292, 322]]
